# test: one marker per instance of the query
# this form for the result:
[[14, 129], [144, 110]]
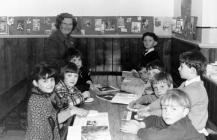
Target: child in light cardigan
[[174, 123]]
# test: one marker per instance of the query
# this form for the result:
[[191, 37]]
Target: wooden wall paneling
[[83, 47], [116, 47], [100, 54], [91, 57], [108, 54], [2, 66]]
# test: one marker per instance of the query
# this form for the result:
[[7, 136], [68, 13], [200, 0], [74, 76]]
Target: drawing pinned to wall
[[28, 22], [36, 24], [98, 25], [163, 26], [147, 24], [179, 25], [49, 25], [136, 27], [3, 25], [20, 25]]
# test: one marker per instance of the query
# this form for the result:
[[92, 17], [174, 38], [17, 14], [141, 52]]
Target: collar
[[149, 50], [196, 79]]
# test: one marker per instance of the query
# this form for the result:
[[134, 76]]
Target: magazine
[[93, 127], [124, 98], [107, 97], [107, 89]]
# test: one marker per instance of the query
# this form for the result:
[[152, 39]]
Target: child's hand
[[143, 114], [132, 126], [78, 111], [86, 94]]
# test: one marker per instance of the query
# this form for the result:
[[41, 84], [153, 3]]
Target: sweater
[[157, 129]]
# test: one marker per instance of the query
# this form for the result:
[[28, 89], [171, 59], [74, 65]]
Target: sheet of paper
[[124, 98]]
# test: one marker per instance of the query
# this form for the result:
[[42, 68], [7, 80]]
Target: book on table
[[92, 127], [107, 89], [124, 98]]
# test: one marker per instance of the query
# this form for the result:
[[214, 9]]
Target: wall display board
[[109, 25]]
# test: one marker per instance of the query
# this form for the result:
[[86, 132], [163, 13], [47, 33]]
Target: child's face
[[149, 42], [184, 71], [77, 61], [45, 85], [143, 73], [160, 88], [172, 112], [70, 79], [152, 72]]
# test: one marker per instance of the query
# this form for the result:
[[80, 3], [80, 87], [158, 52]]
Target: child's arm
[[132, 126]]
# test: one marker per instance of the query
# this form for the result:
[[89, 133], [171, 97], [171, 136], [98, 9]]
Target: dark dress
[[84, 76], [42, 117], [55, 47], [157, 129]]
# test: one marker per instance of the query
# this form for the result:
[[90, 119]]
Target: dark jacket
[[84, 76], [55, 47], [157, 129], [147, 58]]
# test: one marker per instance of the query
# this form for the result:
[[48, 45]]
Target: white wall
[[87, 7]]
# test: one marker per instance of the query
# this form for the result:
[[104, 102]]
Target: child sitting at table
[[161, 82], [174, 123], [43, 119], [142, 85], [84, 82], [192, 66], [66, 92]]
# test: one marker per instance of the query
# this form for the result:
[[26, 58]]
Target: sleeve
[[40, 126], [155, 121], [174, 132], [77, 97], [147, 99]]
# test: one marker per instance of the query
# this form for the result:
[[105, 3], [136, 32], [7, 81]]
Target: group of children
[[169, 113], [56, 96], [172, 113]]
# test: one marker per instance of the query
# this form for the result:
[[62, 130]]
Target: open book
[[92, 127], [124, 98]]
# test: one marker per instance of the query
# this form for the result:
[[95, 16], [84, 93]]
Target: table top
[[115, 112]]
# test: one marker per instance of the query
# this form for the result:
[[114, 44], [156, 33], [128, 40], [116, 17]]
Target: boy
[[161, 82], [192, 66], [174, 123], [84, 81]]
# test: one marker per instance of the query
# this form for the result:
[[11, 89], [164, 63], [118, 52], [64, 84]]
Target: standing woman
[[60, 40]]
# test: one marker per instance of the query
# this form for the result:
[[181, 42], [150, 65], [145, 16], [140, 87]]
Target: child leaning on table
[[161, 82], [192, 66], [66, 92], [174, 123], [84, 82], [43, 119]]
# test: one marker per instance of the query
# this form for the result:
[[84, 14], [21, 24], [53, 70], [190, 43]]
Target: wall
[[87, 7]]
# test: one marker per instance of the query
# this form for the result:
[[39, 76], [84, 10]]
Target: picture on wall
[[3, 25]]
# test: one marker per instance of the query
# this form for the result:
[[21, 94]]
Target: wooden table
[[114, 114]]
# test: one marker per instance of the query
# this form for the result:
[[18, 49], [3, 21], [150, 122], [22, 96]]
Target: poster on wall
[[17, 25], [147, 24], [49, 25], [3, 25], [163, 26]]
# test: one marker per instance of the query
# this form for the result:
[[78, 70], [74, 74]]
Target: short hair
[[194, 59], [164, 77], [68, 68], [155, 64], [71, 53], [61, 17], [43, 71], [151, 34], [178, 96]]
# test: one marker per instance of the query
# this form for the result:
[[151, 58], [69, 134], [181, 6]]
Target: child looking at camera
[[174, 123], [161, 82]]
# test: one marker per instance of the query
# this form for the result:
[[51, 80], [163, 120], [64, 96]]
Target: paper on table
[[124, 98]]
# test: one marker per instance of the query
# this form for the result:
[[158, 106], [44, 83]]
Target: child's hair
[[176, 96], [155, 64], [71, 53], [151, 34], [194, 59], [162, 77], [43, 71], [68, 68]]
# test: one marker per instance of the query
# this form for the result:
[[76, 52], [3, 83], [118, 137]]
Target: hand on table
[[86, 94], [132, 126], [78, 111], [144, 112]]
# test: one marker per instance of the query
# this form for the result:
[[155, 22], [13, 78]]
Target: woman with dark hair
[[60, 40]]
